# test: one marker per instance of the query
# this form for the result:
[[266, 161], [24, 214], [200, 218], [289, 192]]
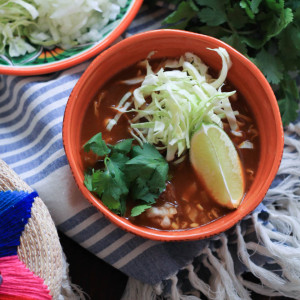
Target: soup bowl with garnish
[[173, 135]]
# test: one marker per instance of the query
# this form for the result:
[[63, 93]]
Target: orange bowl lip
[[77, 59], [183, 235]]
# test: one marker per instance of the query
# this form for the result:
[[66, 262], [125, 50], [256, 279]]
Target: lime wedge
[[218, 166]]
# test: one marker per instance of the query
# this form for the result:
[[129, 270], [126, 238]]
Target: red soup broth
[[184, 190]]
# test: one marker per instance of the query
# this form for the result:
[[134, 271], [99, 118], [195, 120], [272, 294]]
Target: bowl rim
[[79, 58], [180, 235]]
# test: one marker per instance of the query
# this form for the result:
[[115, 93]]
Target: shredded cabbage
[[65, 23], [183, 96]]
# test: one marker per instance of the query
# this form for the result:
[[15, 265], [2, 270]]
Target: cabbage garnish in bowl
[[183, 97], [66, 23]]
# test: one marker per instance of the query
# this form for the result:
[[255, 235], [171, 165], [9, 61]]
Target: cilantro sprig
[[266, 31], [130, 172]]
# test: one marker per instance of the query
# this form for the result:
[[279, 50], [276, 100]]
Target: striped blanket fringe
[[277, 241], [69, 290]]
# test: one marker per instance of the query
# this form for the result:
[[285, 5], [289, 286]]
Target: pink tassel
[[19, 282]]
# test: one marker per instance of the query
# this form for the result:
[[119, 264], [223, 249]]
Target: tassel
[[226, 259], [70, 291], [175, 295], [19, 282], [199, 284], [136, 290], [15, 210]]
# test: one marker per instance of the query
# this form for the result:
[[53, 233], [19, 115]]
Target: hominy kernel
[[200, 207], [193, 214], [189, 192], [249, 171], [215, 213], [175, 225], [184, 225], [187, 209], [193, 225]]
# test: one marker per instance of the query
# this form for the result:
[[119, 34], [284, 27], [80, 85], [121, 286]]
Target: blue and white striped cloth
[[31, 114]]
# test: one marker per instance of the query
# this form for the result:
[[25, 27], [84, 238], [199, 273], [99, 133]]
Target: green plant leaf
[[180, 18], [288, 109], [213, 14], [270, 65], [97, 145], [289, 103], [122, 147], [246, 6], [237, 17], [236, 41], [139, 209]]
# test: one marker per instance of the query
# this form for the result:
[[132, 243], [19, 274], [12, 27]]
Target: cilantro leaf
[[288, 108], [254, 4], [100, 181], [110, 191], [237, 17], [213, 14], [147, 151], [212, 17], [217, 31], [148, 172], [122, 209], [88, 181], [270, 65], [288, 104], [159, 176], [140, 191], [137, 210], [105, 187], [111, 202], [273, 23], [122, 147], [119, 160], [97, 145], [109, 183], [235, 41], [290, 39], [117, 175], [250, 7], [275, 5], [179, 19], [246, 6]]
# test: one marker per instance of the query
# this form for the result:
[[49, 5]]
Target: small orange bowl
[[244, 76]]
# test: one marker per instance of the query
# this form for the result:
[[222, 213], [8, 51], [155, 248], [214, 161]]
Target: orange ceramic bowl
[[243, 74]]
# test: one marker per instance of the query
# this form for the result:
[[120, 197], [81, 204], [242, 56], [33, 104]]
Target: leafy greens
[[129, 171], [266, 31]]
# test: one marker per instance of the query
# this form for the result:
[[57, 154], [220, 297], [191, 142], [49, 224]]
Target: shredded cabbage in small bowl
[[65, 23]]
